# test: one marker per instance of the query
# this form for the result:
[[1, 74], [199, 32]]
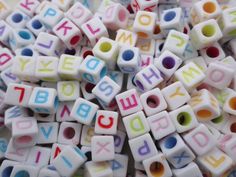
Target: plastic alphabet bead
[[200, 140], [142, 147], [157, 166], [138, 5], [176, 151], [167, 63], [129, 59], [68, 32], [83, 111], [92, 69], [205, 34], [106, 90], [153, 102], [126, 37], [148, 78], [128, 102], [69, 133], [204, 10], [98, 169], [94, 29], [190, 169], [204, 105], [107, 50], [6, 58], [161, 125], [101, 145], [190, 75], [43, 100], [119, 165], [176, 42], [69, 160], [17, 19], [78, 14], [144, 24], [47, 133], [136, 125], [171, 19], [27, 170], [24, 132], [68, 90], [28, 7], [115, 17]]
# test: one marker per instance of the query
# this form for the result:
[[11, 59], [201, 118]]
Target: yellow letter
[[23, 63], [190, 74]]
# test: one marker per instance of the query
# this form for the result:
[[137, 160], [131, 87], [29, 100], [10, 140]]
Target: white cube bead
[[7, 167], [46, 68], [205, 34], [115, 17], [107, 50], [106, 122], [47, 44], [218, 75], [68, 67], [47, 133], [63, 111], [175, 95], [18, 94], [56, 150], [20, 38], [102, 145], [5, 9], [143, 5], [176, 42], [171, 19], [83, 111], [17, 19], [200, 140], [128, 102], [227, 22], [63, 5], [28, 7], [92, 69], [5, 32], [129, 59], [204, 10], [69, 160], [190, 75], [86, 89], [176, 151], [69, 133], [125, 37], [119, 165], [148, 78], [68, 32], [157, 166], [106, 90], [167, 63], [213, 53], [94, 29], [189, 170], [8, 77], [205, 105], [78, 14], [184, 119], [144, 24], [136, 124], [146, 60], [216, 162], [153, 102], [50, 15], [35, 25], [161, 125], [98, 169], [26, 170], [68, 90], [39, 156], [142, 147], [15, 153], [43, 100], [24, 132]]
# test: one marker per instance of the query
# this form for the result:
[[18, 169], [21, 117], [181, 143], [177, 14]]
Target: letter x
[[180, 157], [103, 147]]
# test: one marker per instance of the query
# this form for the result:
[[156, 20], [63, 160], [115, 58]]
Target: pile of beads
[[117, 88]]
